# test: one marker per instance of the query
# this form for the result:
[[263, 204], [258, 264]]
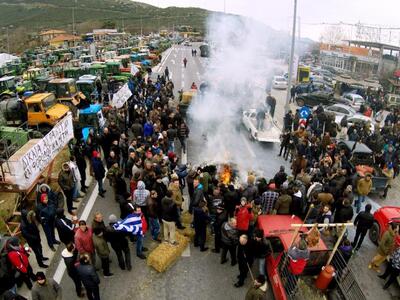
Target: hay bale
[[186, 218], [162, 257], [188, 232]]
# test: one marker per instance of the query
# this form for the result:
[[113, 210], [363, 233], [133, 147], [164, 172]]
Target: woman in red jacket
[[18, 258], [244, 215]]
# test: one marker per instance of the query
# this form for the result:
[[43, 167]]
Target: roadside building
[[363, 59]]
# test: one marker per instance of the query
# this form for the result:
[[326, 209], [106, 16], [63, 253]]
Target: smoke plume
[[236, 75]]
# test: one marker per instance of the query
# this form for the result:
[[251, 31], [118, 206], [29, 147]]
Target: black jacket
[[169, 210], [70, 260], [364, 221], [344, 214], [200, 218], [260, 249], [65, 229], [88, 275], [229, 235], [29, 230], [219, 220], [117, 239]]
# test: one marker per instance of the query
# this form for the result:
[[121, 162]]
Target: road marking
[[246, 143], [186, 252], [58, 275]]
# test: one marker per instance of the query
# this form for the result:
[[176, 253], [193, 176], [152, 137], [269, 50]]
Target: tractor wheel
[[374, 233], [4, 97], [300, 102]]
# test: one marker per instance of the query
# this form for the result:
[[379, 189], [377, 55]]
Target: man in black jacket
[[69, 255], [220, 218], [89, 277], [169, 213], [31, 234], [200, 220], [65, 227], [245, 259], [363, 222], [119, 243], [229, 239]]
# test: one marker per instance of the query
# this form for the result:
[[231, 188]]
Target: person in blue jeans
[[364, 186], [262, 248], [152, 210], [140, 236]]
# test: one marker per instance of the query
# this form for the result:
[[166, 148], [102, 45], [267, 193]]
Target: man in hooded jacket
[[31, 234]]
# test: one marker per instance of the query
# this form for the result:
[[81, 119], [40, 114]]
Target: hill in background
[[31, 16]]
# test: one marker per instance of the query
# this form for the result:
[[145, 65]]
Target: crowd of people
[[136, 153]]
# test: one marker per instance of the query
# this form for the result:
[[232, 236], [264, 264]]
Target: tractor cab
[[98, 70], [10, 88], [87, 84], [66, 92], [90, 118]]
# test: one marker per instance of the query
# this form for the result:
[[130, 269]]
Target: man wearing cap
[[47, 214], [220, 218], [46, 289]]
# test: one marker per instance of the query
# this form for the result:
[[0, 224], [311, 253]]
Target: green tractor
[[87, 84], [73, 72], [9, 87], [98, 70]]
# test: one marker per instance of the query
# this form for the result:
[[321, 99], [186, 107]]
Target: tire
[[300, 102], [374, 233]]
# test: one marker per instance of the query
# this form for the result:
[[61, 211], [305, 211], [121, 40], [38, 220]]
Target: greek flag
[[132, 223]]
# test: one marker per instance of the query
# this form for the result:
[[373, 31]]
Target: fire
[[225, 174]]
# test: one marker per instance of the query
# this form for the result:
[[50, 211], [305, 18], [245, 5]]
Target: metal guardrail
[[345, 279]]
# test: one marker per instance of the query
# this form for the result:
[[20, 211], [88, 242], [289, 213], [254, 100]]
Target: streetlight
[[7, 28], [291, 58]]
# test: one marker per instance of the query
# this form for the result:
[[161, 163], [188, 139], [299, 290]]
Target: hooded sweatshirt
[[140, 195]]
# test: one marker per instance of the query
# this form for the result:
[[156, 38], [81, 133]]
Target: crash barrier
[[162, 257], [346, 281]]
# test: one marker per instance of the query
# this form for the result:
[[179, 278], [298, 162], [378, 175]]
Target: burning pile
[[225, 174]]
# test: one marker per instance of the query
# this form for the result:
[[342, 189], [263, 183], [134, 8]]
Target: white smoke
[[237, 74]]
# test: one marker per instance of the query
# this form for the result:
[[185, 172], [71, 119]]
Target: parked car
[[358, 119], [315, 98], [353, 100], [270, 132], [383, 216], [340, 110], [279, 82]]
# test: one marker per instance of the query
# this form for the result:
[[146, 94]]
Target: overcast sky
[[277, 13]]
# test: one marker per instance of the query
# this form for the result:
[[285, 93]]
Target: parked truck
[[39, 111]]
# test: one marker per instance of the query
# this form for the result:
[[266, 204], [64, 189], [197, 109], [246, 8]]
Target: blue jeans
[[139, 244], [154, 228], [357, 204], [75, 191], [49, 232], [261, 266], [100, 183]]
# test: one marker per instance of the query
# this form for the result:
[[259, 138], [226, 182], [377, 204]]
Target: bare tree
[[332, 35]]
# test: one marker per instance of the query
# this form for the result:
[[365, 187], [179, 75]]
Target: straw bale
[[186, 218], [188, 232], [162, 257]]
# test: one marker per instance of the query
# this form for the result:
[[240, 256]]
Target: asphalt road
[[198, 275]]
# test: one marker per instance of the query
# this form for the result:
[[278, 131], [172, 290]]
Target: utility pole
[[291, 57], [141, 26]]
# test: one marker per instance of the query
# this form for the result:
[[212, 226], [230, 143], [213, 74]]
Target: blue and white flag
[[132, 224]]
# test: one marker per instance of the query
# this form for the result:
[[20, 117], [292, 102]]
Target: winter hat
[[112, 219], [14, 241], [43, 197], [40, 276], [95, 153]]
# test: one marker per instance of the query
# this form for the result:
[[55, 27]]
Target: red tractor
[[383, 216]]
